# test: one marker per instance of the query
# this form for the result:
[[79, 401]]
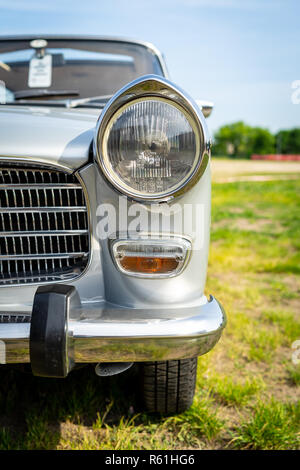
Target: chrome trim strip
[[92, 237], [43, 233], [4, 210], [42, 256], [36, 279], [43, 163], [40, 186]]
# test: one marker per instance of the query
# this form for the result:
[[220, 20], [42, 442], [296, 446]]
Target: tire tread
[[169, 386]]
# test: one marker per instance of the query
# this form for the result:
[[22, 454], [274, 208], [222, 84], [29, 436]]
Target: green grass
[[231, 392], [248, 389], [200, 420], [6, 440], [287, 323], [294, 375], [272, 426]]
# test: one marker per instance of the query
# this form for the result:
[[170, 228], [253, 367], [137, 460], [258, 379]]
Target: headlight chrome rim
[[152, 87]]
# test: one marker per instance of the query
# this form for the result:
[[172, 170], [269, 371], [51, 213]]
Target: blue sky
[[241, 54]]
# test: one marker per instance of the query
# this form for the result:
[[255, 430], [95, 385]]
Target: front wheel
[[169, 386]]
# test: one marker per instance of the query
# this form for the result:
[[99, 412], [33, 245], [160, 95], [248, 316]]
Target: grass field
[[248, 389]]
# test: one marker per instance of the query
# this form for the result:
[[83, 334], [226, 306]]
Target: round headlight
[[150, 148]]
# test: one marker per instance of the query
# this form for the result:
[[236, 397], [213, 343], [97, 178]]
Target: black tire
[[169, 386]]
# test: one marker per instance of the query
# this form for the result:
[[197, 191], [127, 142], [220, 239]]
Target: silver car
[[104, 215]]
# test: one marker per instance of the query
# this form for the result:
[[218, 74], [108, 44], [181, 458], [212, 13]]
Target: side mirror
[[205, 106]]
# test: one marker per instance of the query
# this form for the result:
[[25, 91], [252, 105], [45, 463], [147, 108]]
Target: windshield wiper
[[100, 99], [41, 94]]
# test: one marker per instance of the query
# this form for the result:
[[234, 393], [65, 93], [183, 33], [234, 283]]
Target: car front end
[[104, 224]]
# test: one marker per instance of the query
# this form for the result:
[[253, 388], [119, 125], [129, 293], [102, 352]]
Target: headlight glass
[[150, 147]]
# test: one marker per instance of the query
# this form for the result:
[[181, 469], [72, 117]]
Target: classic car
[[104, 215]]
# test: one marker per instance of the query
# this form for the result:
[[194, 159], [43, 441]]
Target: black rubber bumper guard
[[50, 344]]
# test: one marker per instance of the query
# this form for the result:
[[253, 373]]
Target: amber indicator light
[[142, 264]]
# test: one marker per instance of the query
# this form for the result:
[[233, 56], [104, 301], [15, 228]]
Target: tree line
[[242, 140]]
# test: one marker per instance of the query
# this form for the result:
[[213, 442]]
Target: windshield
[[79, 67]]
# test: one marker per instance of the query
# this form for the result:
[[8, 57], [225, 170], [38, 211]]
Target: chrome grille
[[14, 318], [43, 226]]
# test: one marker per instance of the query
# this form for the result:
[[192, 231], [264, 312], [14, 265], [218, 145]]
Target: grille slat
[[43, 209], [37, 186], [57, 232], [44, 233], [43, 256]]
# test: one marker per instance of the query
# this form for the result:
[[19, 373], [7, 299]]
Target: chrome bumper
[[111, 334]]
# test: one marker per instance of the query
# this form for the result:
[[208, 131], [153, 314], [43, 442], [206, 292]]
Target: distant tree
[[288, 141], [239, 139], [262, 141], [232, 139]]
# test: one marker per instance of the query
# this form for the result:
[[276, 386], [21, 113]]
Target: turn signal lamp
[[151, 258]]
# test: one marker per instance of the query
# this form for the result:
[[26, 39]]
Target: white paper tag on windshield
[[40, 72], [2, 92]]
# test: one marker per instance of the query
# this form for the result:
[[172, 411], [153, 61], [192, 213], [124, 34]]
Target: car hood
[[49, 135]]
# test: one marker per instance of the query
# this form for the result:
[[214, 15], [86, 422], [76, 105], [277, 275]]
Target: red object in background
[[276, 157]]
